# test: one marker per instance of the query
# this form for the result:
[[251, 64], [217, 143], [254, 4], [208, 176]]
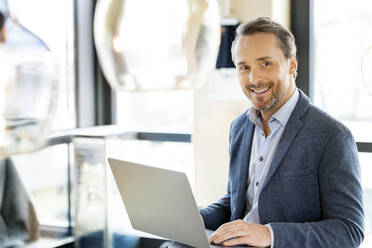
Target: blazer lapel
[[294, 124], [245, 152]]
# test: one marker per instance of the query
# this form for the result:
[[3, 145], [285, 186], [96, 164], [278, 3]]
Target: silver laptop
[[160, 202]]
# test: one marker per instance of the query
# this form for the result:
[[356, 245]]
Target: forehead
[[256, 46]]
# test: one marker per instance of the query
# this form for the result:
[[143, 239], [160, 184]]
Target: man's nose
[[253, 77]]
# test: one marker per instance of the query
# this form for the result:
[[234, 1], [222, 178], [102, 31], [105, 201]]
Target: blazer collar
[[240, 200], [294, 124]]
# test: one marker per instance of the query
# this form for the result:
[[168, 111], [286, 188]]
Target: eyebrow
[[263, 58], [259, 59]]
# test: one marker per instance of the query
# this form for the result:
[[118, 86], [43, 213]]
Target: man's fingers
[[241, 232], [236, 241], [214, 236], [225, 236], [229, 235], [220, 231], [227, 231]]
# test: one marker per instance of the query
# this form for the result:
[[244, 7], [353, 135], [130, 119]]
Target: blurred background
[[184, 130]]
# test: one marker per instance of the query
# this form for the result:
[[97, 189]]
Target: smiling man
[[294, 177]]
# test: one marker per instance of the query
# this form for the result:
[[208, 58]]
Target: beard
[[277, 96], [273, 101]]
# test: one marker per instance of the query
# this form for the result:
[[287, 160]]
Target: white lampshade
[[156, 45]]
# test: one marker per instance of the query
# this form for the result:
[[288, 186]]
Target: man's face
[[265, 75]]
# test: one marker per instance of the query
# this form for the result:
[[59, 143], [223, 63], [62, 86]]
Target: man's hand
[[240, 232]]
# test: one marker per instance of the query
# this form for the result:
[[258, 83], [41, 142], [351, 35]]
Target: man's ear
[[293, 66]]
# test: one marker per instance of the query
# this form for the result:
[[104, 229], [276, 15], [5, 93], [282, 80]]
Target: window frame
[[94, 97], [301, 26]]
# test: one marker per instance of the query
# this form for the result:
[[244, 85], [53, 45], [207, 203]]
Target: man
[[294, 177]]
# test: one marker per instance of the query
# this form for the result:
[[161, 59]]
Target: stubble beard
[[274, 100], [272, 103]]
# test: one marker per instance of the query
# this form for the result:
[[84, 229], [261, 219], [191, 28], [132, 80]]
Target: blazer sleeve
[[217, 213], [342, 220]]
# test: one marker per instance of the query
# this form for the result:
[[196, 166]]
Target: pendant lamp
[[156, 45]]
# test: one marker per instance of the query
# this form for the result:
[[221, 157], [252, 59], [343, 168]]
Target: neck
[[266, 115]]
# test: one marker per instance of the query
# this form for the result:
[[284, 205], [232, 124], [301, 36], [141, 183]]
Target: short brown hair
[[266, 25]]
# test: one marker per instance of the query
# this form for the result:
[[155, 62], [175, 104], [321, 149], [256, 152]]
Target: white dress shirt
[[262, 152]]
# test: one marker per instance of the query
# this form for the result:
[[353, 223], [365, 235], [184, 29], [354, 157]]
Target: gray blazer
[[312, 195]]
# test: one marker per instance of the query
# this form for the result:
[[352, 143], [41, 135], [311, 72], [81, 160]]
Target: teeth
[[261, 90]]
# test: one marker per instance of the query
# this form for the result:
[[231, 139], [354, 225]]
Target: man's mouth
[[260, 91]]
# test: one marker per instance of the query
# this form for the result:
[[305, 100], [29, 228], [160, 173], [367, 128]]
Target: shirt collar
[[282, 114]]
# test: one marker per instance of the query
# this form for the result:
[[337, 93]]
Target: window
[[156, 111], [340, 38], [163, 111]]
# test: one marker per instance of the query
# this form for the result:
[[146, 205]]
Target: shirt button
[[257, 183], [263, 134], [261, 158]]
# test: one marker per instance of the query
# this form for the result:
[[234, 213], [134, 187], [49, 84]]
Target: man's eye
[[244, 68], [266, 64]]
